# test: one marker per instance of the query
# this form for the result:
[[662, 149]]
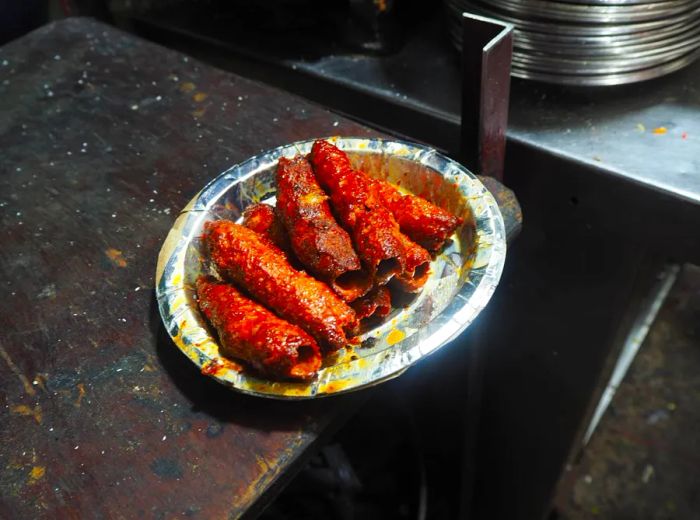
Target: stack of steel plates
[[592, 42]]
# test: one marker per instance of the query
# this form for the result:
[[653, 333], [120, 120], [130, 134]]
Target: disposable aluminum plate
[[463, 276]]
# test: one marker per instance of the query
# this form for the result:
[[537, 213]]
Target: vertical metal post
[[487, 47]]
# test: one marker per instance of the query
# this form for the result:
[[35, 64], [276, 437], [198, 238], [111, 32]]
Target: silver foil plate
[[463, 276]]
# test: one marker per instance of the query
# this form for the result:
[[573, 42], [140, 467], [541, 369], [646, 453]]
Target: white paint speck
[[166, 211], [5, 63], [335, 123], [57, 57], [134, 107], [164, 437], [76, 447], [114, 215], [158, 98], [137, 289]]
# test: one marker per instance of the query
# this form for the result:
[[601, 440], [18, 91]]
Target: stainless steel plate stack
[[592, 42]]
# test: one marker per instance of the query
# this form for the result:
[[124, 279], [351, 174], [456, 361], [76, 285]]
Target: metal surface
[[486, 60], [590, 30], [583, 13], [463, 276], [593, 44], [648, 136], [610, 130]]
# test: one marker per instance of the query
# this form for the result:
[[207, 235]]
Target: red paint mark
[[684, 135], [211, 368], [116, 257]]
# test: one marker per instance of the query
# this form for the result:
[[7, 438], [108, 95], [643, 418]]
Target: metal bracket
[[487, 48]]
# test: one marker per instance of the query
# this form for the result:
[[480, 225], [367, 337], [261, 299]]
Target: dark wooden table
[[104, 137]]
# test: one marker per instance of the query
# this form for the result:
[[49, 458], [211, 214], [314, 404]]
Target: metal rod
[[634, 340], [487, 48]]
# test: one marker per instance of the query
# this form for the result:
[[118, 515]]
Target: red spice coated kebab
[[373, 229], [376, 234], [374, 304], [420, 220], [320, 244], [242, 256], [263, 219], [249, 332]]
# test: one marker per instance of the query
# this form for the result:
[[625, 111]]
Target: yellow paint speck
[[641, 127], [199, 97], [395, 336], [381, 5], [187, 86], [660, 130], [116, 257], [199, 112], [81, 394], [36, 473], [22, 409]]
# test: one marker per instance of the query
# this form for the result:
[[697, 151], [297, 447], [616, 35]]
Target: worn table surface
[[104, 137]]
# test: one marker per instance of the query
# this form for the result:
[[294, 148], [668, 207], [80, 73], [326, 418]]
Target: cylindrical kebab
[[416, 267], [374, 230], [251, 333], [263, 219], [374, 304], [264, 272], [422, 221], [320, 244]]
